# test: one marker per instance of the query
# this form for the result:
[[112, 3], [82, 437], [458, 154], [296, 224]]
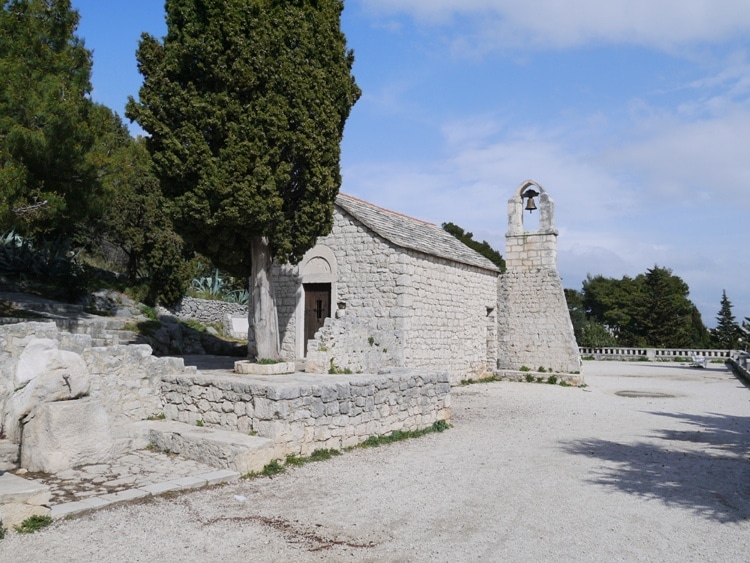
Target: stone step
[[21, 498], [212, 446], [8, 455]]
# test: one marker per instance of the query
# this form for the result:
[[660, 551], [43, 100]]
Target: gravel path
[[529, 472]]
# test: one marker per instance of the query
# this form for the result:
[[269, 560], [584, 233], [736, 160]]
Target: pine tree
[[666, 313], [46, 182], [245, 103], [727, 334]]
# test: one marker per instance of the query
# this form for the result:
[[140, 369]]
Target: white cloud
[[693, 160], [663, 24]]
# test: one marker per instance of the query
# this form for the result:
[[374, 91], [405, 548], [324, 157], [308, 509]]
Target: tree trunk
[[265, 320]]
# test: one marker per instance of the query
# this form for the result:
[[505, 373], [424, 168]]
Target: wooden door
[[317, 308]]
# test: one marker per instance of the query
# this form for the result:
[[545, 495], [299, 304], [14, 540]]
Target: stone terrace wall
[[302, 413]]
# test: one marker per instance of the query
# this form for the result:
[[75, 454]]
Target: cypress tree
[[245, 103]]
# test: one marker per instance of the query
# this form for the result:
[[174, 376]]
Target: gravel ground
[[529, 472]]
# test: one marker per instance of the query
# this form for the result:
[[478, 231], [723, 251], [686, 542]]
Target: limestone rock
[[46, 374], [14, 513], [65, 434]]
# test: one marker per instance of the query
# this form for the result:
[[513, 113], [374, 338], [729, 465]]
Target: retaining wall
[[207, 311], [302, 413]]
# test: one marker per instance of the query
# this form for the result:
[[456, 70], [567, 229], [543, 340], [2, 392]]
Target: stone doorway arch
[[316, 293]]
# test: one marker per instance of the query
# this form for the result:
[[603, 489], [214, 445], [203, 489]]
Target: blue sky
[[633, 114]]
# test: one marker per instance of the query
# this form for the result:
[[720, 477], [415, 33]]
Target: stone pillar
[[534, 328]]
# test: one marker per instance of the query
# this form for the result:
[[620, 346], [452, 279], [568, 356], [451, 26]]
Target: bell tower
[[534, 327]]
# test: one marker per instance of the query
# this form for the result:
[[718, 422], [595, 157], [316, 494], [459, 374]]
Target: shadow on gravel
[[705, 469]]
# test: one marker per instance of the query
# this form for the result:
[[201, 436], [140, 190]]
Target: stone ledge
[[246, 367]]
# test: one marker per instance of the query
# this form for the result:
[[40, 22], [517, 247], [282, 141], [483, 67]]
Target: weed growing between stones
[[273, 468], [268, 361], [481, 380], [552, 380], [2, 531], [160, 416], [276, 467], [398, 435], [524, 368], [335, 370], [33, 524], [199, 422]]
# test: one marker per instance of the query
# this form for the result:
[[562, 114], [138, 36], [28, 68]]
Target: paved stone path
[[130, 471]]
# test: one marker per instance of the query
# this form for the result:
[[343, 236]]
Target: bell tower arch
[[525, 250]]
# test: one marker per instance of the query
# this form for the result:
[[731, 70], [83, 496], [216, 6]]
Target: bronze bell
[[530, 194]]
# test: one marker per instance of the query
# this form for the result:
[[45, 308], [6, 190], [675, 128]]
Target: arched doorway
[[316, 294]]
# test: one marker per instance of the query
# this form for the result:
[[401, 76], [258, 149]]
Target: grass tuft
[[33, 524]]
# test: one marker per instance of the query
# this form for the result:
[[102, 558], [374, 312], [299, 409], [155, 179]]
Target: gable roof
[[411, 233]]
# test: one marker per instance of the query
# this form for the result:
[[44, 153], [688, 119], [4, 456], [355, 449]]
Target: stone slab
[[189, 482], [159, 488], [15, 489], [221, 476], [124, 496], [70, 508]]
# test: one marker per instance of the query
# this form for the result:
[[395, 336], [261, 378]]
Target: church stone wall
[[436, 309], [453, 312]]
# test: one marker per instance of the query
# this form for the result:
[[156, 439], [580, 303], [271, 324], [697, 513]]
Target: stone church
[[386, 290]]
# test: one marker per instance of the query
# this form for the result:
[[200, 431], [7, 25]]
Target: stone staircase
[[69, 317], [212, 446]]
